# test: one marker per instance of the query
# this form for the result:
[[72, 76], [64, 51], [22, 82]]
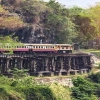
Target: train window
[[66, 47], [8, 46], [41, 46], [62, 47], [22, 46]]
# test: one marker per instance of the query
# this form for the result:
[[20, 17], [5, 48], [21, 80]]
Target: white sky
[[80, 3]]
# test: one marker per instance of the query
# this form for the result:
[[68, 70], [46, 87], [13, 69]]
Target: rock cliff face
[[34, 30], [34, 34]]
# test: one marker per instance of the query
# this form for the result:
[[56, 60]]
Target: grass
[[26, 88], [89, 50], [62, 93]]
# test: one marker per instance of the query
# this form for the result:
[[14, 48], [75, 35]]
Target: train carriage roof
[[64, 44], [39, 44], [47, 44]]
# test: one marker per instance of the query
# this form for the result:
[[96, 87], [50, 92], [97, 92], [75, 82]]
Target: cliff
[[35, 21]]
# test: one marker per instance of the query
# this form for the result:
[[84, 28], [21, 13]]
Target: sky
[[80, 3]]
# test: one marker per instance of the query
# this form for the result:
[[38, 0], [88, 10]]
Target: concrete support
[[69, 64], [7, 65], [20, 63], [73, 64], [34, 65], [46, 64], [84, 61], [61, 63], [53, 66], [31, 65], [77, 63]]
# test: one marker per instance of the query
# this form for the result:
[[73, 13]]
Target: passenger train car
[[36, 48]]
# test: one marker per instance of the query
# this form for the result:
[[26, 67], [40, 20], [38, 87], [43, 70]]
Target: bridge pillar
[[7, 65], [69, 64], [3, 63], [33, 65], [61, 66], [46, 64], [20, 63], [53, 65]]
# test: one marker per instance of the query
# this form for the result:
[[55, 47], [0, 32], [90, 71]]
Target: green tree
[[83, 89], [62, 26], [84, 24]]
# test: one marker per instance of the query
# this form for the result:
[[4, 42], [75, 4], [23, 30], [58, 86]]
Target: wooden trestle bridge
[[46, 64]]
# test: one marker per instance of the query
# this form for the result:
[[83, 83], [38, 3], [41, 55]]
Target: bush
[[95, 77], [83, 89]]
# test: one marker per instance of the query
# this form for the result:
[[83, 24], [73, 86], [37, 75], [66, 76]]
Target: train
[[17, 48]]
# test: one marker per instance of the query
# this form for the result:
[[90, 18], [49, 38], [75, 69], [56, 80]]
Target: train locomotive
[[35, 48]]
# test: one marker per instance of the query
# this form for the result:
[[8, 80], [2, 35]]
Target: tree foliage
[[9, 20], [95, 16], [84, 24], [84, 89], [63, 27]]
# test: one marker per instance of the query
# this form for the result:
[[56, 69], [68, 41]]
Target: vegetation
[[27, 88], [64, 25], [87, 88]]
